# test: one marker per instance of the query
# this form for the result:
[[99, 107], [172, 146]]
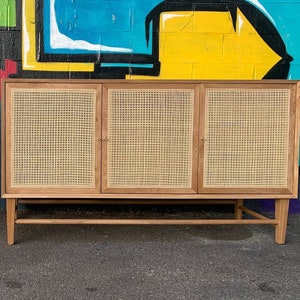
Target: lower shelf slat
[[145, 221]]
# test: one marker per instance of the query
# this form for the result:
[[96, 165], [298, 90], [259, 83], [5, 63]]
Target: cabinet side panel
[[247, 138]]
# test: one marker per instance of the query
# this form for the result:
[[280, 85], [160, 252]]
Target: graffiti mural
[[150, 39], [7, 36], [180, 39]]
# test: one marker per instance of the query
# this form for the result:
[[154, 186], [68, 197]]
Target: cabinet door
[[50, 138], [249, 138], [150, 138]]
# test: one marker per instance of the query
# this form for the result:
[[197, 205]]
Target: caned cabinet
[[150, 141]]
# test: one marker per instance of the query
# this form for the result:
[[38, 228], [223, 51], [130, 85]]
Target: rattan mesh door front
[[51, 139], [150, 139], [247, 138]]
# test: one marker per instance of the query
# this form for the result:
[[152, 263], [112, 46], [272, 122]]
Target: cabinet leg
[[281, 215], [10, 220], [238, 212]]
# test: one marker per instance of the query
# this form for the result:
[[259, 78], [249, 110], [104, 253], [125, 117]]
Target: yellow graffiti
[[204, 45], [29, 47]]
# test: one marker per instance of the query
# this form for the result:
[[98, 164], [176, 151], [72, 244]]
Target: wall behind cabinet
[[210, 39]]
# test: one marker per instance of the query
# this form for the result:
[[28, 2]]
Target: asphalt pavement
[[148, 261]]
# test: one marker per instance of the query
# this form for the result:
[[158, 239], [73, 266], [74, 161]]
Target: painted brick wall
[[210, 39], [152, 39]]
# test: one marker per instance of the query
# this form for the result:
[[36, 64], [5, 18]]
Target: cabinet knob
[[102, 139]]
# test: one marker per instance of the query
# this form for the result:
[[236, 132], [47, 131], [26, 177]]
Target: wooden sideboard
[[150, 142]]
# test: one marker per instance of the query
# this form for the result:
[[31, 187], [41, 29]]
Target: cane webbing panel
[[246, 138], [150, 138], [53, 138]]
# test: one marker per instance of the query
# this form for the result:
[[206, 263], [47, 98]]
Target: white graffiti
[[61, 41]]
